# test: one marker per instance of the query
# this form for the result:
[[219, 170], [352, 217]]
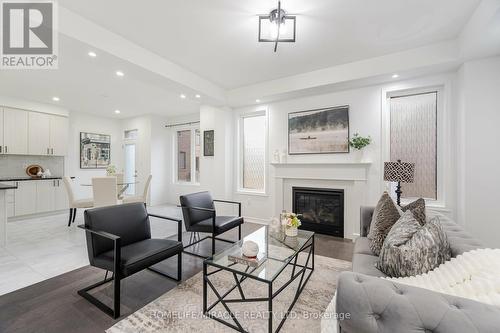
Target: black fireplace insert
[[322, 209]]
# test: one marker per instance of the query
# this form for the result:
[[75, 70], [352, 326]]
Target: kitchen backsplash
[[15, 165]]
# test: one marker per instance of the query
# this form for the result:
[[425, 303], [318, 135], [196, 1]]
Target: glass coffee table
[[279, 268]]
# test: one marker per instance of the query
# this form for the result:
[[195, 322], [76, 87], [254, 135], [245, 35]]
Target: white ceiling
[[217, 39], [90, 85]]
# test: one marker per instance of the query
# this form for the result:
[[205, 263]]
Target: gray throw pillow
[[384, 217], [411, 249], [417, 207]]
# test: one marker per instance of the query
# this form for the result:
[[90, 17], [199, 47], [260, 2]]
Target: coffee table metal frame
[[303, 272]]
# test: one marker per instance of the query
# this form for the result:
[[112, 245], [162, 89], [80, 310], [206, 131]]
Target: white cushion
[[83, 203]]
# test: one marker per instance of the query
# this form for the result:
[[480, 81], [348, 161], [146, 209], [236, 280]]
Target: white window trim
[[443, 136], [175, 157], [239, 153]]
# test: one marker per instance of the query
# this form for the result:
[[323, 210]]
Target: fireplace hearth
[[322, 209]]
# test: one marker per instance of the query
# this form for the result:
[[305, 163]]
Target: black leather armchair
[[199, 214], [119, 240]]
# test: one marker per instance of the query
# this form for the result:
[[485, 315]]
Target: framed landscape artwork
[[95, 150], [321, 131], [208, 143]]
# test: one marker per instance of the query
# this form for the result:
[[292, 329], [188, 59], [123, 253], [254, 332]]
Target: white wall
[[365, 118], [160, 161], [82, 122], [479, 178]]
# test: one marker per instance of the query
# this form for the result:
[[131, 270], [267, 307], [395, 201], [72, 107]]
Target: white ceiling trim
[[79, 28], [437, 55]]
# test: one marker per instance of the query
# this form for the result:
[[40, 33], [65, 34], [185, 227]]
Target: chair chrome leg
[[74, 215], [70, 216], [239, 232]]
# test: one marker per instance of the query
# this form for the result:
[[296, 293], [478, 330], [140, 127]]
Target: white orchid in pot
[[291, 223]]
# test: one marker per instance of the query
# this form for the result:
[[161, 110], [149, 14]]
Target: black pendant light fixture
[[277, 27]]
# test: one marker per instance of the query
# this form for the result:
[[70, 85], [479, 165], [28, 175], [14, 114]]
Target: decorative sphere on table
[[250, 249]]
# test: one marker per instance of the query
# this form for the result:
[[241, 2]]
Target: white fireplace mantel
[[352, 177], [353, 171]]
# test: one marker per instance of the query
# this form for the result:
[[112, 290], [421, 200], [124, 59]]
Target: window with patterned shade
[[252, 151], [413, 138]]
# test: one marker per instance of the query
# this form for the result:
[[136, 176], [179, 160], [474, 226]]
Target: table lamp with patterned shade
[[401, 172]]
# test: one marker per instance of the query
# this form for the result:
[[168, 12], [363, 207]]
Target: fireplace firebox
[[322, 209]]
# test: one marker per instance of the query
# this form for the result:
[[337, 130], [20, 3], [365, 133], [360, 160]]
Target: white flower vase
[[358, 154], [291, 231]]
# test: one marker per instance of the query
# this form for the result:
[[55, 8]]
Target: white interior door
[[130, 170]]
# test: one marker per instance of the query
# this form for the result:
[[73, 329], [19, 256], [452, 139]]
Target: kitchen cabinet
[[36, 196], [38, 133], [61, 197], [10, 199], [25, 197], [15, 131], [48, 134], [45, 196], [58, 135]]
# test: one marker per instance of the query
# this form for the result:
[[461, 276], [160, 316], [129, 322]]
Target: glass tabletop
[[119, 184], [275, 248]]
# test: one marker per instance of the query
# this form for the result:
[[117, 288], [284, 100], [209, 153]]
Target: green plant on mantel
[[359, 142]]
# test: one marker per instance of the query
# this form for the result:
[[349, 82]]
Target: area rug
[[180, 309]]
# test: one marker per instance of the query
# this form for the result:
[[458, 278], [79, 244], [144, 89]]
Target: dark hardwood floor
[[53, 305]]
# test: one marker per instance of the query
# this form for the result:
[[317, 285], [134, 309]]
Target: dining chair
[[75, 203], [105, 191], [140, 198]]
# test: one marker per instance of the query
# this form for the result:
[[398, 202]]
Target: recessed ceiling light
[[119, 73], [55, 99], [182, 96], [197, 96], [92, 54], [257, 101], [395, 76], [117, 111]]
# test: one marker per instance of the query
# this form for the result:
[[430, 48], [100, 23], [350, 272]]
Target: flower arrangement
[[111, 170], [291, 220], [359, 142]]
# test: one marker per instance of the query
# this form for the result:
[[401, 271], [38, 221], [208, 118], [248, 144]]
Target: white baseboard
[[255, 220]]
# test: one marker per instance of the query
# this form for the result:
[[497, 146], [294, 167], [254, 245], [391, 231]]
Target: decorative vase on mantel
[[357, 144], [358, 155]]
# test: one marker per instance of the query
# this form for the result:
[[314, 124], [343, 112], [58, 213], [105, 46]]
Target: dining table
[[123, 186]]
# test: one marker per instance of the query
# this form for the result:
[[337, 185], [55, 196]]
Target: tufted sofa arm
[[366, 214], [369, 304]]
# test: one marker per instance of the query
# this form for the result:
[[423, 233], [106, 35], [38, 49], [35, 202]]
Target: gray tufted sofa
[[378, 305]]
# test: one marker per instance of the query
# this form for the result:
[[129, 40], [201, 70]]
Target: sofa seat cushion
[[138, 256], [365, 264], [222, 224], [362, 246]]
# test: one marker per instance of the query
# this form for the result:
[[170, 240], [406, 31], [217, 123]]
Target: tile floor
[[39, 248]]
